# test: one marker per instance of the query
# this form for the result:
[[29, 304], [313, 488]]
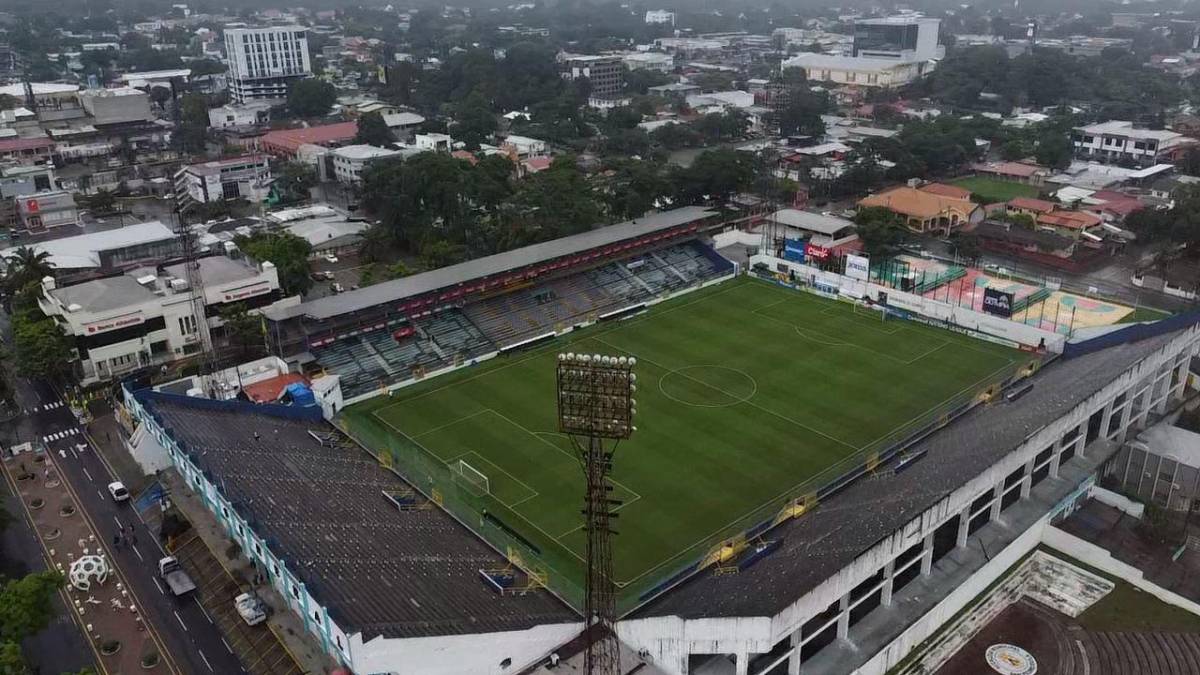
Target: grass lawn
[[992, 190], [1144, 314], [746, 390]]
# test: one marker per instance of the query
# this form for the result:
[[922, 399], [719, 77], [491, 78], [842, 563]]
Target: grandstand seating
[[367, 360]]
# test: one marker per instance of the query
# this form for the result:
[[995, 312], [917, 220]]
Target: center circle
[[708, 386], [1010, 660]]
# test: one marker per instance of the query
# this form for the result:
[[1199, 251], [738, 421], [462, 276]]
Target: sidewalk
[[107, 610], [286, 647]]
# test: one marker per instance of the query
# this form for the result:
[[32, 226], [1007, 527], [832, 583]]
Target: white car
[[331, 258], [118, 491], [251, 608]]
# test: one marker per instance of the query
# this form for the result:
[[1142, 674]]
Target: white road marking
[[205, 659], [118, 522], [139, 553], [158, 586], [101, 494], [202, 610], [227, 647], [181, 623], [85, 472]]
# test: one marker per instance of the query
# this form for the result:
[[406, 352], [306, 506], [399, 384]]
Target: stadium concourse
[[390, 574]]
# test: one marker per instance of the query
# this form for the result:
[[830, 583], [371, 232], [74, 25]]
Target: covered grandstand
[[407, 328]]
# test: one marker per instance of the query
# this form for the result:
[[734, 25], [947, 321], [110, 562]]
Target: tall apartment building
[[901, 38], [605, 74], [263, 61]]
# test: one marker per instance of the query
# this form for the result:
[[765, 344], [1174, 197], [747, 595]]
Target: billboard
[[858, 267], [814, 252], [997, 302], [793, 249]]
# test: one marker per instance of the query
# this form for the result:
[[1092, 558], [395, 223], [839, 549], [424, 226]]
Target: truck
[[176, 579]]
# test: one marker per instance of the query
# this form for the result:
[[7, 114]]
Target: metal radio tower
[[595, 409], [210, 366]]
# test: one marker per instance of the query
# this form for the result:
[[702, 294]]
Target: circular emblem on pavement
[[1010, 660]]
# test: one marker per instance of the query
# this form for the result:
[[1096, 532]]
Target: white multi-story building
[[246, 177], [657, 61], [240, 115], [860, 71], [145, 317], [349, 161], [264, 61], [660, 16], [1117, 141]]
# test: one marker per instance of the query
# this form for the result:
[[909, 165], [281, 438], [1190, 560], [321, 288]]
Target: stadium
[[828, 465]]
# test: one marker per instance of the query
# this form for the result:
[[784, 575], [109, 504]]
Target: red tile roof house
[[286, 142], [1020, 172], [26, 150], [1075, 224], [1029, 206], [951, 191]]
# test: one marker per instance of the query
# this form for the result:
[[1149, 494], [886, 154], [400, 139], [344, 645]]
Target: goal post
[[473, 480]]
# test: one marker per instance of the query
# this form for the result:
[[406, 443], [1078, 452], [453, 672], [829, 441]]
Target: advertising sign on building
[[814, 252], [858, 267], [793, 249], [997, 302]]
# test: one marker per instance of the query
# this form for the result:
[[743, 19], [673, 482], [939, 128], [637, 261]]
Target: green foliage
[[242, 329], [26, 266], [193, 123], [27, 604], [40, 347], [311, 98], [474, 121], [295, 179], [287, 252], [880, 230], [715, 175], [639, 81], [379, 272], [802, 115], [12, 661], [372, 130], [437, 253], [719, 127]]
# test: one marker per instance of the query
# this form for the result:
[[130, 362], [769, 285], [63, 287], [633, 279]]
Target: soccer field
[[747, 392]]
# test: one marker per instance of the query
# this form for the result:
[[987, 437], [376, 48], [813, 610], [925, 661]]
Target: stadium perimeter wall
[[1013, 333]]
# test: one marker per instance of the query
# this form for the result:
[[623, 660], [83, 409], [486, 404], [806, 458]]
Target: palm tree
[[26, 265]]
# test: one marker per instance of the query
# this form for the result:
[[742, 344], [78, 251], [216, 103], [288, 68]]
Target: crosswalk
[[55, 405], [60, 435]]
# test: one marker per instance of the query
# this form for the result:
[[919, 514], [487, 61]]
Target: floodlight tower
[[595, 410]]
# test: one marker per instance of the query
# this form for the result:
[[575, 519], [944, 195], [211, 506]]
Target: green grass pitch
[[746, 390], [992, 190]]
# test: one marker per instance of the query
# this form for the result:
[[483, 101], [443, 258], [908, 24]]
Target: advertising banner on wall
[[793, 250], [997, 302], [814, 253], [858, 267]]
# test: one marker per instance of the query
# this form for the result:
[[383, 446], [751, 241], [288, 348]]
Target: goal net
[[472, 479]]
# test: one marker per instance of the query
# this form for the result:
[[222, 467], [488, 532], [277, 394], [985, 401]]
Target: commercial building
[[111, 250], [654, 16], [247, 177], [1118, 141], [46, 210], [1161, 466], [523, 147], [145, 317], [287, 142], [116, 106], [349, 161], [899, 38], [821, 229], [604, 73], [858, 71], [402, 124], [656, 61], [264, 61]]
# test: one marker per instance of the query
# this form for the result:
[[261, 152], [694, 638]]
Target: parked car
[[330, 258], [176, 579], [118, 491], [251, 608]]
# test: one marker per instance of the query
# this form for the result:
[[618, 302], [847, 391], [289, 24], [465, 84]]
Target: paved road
[[190, 636]]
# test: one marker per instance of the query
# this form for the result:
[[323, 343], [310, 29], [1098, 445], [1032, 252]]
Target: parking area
[[257, 647]]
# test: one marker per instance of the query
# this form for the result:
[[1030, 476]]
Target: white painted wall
[[1119, 502], [977, 321], [471, 654]]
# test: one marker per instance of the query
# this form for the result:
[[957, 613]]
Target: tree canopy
[[372, 130], [311, 98], [287, 252]]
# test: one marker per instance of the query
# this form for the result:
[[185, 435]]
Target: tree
[[193, 123], [287, 252], [102, 202], [295, 179], [40, 347], [26, 265], [440, 253], [802, 115], [26, 604], [1054, 150], [880, 230], [12, 661], [311, 98], [372, 130], [966, 245], [474, 121], [242, 329], [715, 175]]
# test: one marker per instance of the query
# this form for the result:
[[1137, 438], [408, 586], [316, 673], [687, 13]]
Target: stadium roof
[[321, 507], [846, 525], [813, 222], [445, 277]]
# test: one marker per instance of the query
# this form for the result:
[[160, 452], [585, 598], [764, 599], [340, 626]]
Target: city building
[[145, 317], [1161, 465], [26, 150], [402, 124], [821, 229], [264, 61], [604, 73], [858, 71], [107, 251], [898, 38], [349, 161], [523, 147], [656, 61], [286, 142], [1119, 142], [46, 210], [247, 177], [925, 211], [660, 16], [432, 142], [148, 79], [328, 231], [251, 114], [116, 106]]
